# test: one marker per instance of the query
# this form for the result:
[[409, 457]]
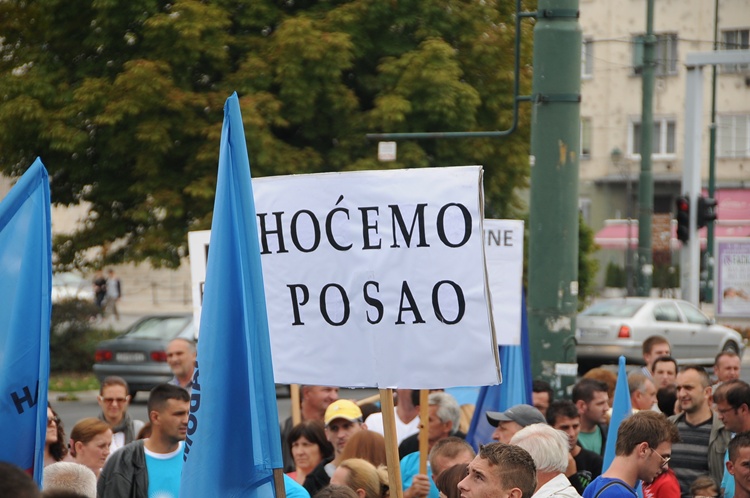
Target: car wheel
[[731, 346]]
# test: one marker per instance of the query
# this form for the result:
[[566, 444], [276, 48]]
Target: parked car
[[614, 327], [139, 354], [68, 285]]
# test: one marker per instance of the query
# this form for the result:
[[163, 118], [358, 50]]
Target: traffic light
[[683, 218], [706, 211]]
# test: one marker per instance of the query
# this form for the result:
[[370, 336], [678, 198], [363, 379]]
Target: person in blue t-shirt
[[643, 450]]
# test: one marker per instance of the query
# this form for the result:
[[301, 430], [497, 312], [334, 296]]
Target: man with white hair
[[549, 448], [69, 476]]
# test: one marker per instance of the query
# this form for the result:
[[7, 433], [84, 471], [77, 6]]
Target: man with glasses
[[703, 436], [343, 419], [642, 452], [732, 400], [114, 401]]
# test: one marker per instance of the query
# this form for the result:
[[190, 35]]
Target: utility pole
[[553, 216], [709, 261], [646, 182]]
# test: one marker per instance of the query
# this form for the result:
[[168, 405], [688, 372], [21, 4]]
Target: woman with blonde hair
[[362, 476], [89, 443]]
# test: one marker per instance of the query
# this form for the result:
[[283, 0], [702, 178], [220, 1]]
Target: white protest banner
[[503, 252], [377, 278]]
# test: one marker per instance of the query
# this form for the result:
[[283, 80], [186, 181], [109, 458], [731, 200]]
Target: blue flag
[[233, 442], [515, 366], [621, 409], [25, 294]]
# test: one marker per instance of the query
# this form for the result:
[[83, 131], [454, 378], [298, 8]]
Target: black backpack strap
[[612, 483]]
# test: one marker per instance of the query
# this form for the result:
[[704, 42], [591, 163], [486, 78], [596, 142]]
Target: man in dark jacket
[[126, 473]]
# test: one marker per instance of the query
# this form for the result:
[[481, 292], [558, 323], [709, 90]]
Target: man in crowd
[[653, 348], [642, 391], [444, 418], [181, 355], [592, 400], [445, 454], [442, 423], [664, 371], [314, 400], [642, 451], [500, 471], [69, 476], [513, 420], [407, 416], [151, 467], [549, 449], [114, 293], [342, 419], [727, 367], [732, 400], [114, 401], [587, 465], [739, 464], [541, 395], [703, 437]]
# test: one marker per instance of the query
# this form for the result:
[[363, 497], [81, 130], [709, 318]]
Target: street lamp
[[624, 167]]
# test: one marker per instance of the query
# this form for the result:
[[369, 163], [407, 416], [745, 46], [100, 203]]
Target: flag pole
[[424, 415], [296, 407], [391, 447]]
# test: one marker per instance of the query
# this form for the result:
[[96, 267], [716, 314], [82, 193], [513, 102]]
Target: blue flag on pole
[[621, 409], [233, 442], [25, 294], [515, 366]]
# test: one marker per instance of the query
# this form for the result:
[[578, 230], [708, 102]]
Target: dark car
[[139, 354]]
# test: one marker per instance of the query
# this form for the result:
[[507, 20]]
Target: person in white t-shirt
[[407, 416]]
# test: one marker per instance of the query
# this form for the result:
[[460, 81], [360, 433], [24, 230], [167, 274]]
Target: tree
[[588, 265], [123, 101]]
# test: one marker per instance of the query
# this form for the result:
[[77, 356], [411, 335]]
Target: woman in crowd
[[55, 449], [89, 443], [368, 445], [308, 446], [362, 476], [447, 481]]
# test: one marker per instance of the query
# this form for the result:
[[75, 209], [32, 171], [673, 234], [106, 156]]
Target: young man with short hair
[[153, 466], [654, 347], [592, 399], [642, 451], [587, 465], [500, 471], [727, 366], [739, 464]]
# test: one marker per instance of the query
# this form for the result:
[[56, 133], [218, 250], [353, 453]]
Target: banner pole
[[296, 408], [391, 446], [424, 415], [278, 481]]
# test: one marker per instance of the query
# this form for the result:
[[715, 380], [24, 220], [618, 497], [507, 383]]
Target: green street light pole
[[553, 211], [646, 182]]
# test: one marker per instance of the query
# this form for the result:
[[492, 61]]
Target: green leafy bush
[[615, 275], [73, 337]]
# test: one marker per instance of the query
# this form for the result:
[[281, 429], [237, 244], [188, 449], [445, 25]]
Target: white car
[[614, 327], [68, 285]]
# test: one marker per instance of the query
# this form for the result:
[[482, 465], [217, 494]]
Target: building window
[[665, 54], [587, 58], [733, 136], [663, 138], [735, 39], [585, 138]]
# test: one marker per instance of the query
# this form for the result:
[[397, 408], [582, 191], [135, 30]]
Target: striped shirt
[[690, 455]]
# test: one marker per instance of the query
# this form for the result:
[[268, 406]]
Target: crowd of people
[[688, 437]]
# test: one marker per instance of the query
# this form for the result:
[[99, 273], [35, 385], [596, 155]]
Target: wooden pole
[[296, 409], [278, 481], [424, 442], [391, 443]]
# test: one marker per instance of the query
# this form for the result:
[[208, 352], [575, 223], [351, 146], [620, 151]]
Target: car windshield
[[162, 327], [614, 308]]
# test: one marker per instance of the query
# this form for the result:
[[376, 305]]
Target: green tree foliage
[[588, 265], [124, 101]]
